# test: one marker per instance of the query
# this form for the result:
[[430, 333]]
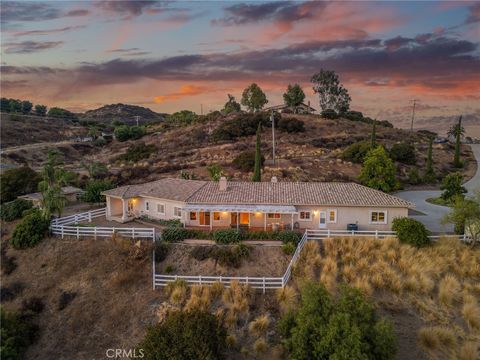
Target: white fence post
[[264, 284], [133, 233], [78, 232], [376, 234], [89, 216], [200, 279], [328, 233], [62, 231], [76, 219]]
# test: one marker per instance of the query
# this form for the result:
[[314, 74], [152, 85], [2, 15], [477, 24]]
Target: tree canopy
[[465, 215], [332, 95], [294, 96], [231, 105], [452, 186], [254, 98], [378, 171]]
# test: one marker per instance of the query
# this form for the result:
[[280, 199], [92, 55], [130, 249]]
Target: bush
[[411, 231], [15, 182], [17, 333], [30, 230], [93, 191], [227, 236], [14, 210], [185, 335], [378, 171], [329, 114], [326, 327], [289, 248], [137, 152], [228, 256], [356, 152], [404, 153], [161, 250], [182, 118], [125, 132], [413, 176], [175, 234], [452, 186], [32, 306], [242, 125], [245, 161], [291, 125], [100, 142], [289, 237]]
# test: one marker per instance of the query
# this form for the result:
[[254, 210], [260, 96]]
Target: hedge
[[227, 236], [411, 231], [14, 209]]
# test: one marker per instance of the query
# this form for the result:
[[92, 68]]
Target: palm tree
[[54, 178]]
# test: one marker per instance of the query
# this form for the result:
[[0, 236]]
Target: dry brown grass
[[237, 297], [449, 290], [286, 297], [259, 325], [260, 346], [437, 338], [469, 351], [471, 313]]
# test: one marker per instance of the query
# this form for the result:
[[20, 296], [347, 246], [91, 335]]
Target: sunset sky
[[170, 56]]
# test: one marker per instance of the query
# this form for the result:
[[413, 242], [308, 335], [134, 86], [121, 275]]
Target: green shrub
[[242, 125], [174, 234], [404, 153], [289, 248], [185, 335], [30, 230], [169, 269], [411, 231], [100, 142], [289, 237], [414, 177], [125, 132], [227, 236], [93, 190], [14, 210], [356, 152], [17, 334], [327, 327], [136, 132], [182, 118], [137, 152], [170, 222], [452, 186], [329, 114], [19, 181], [291, 125], [245, 161], [260, 235], [161, 250]]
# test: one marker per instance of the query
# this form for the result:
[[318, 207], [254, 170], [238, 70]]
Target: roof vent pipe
[[222, 184]]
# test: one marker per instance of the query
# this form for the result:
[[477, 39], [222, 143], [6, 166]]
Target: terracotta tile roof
[[171, 189], [296, 193], [281, 193]]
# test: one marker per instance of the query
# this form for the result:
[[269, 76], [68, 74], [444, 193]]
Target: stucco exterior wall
[[139, 208], [114, 206]]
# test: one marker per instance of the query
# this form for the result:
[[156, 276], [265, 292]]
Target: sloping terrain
[[127, 114]]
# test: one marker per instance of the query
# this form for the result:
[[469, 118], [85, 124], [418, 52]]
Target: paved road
[[433, 214]]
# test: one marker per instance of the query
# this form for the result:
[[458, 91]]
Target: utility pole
[[272, 119], [136, 118], [413, 113], [201, 109]]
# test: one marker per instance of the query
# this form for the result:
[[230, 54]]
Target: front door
[[204, 218], [240, 218], [130, 207], [323, 220]]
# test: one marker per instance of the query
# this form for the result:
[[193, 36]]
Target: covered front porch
[[251, 217]]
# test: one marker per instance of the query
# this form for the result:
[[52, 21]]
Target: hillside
[[124, 113], [312, 155]]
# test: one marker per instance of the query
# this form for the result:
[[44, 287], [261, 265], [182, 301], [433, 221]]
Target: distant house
[[71, 193], [257, 205], [300, 109], [108, 136]]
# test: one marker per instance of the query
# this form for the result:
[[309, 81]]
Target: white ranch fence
[[65, 226]]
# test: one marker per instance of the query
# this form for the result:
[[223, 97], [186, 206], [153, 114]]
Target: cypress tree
[[429, 173], [456, 160], [374, 134], [257, 171]]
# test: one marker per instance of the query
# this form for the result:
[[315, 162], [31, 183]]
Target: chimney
[[274, 179], [222, 184]]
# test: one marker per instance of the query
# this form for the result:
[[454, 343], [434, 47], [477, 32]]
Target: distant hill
[[124, 113]]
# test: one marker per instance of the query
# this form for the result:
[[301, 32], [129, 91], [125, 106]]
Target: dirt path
[[35, 146]]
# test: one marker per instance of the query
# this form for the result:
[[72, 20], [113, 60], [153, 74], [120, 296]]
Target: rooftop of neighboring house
[[66, 190], [278, 193]]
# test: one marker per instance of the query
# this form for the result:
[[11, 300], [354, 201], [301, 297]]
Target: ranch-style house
[[270, 205]]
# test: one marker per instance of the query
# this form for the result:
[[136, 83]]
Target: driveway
[[431, 215]]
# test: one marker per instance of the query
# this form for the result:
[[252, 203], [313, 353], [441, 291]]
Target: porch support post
[[124, 210], [292, 222], [265, 221], [211, 221], [238, 220]]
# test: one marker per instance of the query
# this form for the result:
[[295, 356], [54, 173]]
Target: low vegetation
[[14, 209], [411, 231], [32, 229], [137, 152]]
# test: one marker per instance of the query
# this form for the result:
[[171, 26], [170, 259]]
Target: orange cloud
[[186, 90]]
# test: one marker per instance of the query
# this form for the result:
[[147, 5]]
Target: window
[[332, 216], [161, 209], [177, 211], [193, 215], [273, 216], [305, 215], [216, 216], [378, 217], [147, 206]]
